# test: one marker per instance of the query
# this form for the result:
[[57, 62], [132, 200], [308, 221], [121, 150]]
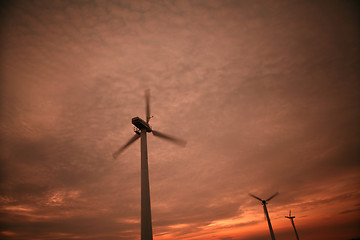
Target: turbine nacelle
[[290, 217], [141, 124]]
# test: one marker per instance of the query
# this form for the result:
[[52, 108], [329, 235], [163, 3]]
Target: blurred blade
[[147, 102], [133, 139], [255, 197], [272, 196], [170, 138], [290, 213]]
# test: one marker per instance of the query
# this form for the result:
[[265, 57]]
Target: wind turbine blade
[[255, 197], [290, 213], [272, 196], [133, 139], [170, 138], [147, 102]]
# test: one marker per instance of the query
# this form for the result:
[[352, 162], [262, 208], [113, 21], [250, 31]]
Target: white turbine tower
[[264, 202], [141, 128]]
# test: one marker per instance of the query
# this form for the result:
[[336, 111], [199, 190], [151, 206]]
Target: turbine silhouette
[[141, 128], [293, 224], [264, 202]]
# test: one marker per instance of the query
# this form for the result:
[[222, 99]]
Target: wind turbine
[[292, 222], [141, 128], [264, 202]]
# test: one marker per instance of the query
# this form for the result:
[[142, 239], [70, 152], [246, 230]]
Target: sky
[[266, 94]]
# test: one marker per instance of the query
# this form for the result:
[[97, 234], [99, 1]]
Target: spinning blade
[[255, 197], [170, 138], [147, 101], [272, 196], [133, 139]]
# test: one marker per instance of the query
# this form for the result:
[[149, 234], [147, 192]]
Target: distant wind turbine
[[293, 224], [264, 202], [141, 128]]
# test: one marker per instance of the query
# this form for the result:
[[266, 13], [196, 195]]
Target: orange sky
[[266, 93]]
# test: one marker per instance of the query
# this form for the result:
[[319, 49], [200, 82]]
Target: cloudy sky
[[266, 93]]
